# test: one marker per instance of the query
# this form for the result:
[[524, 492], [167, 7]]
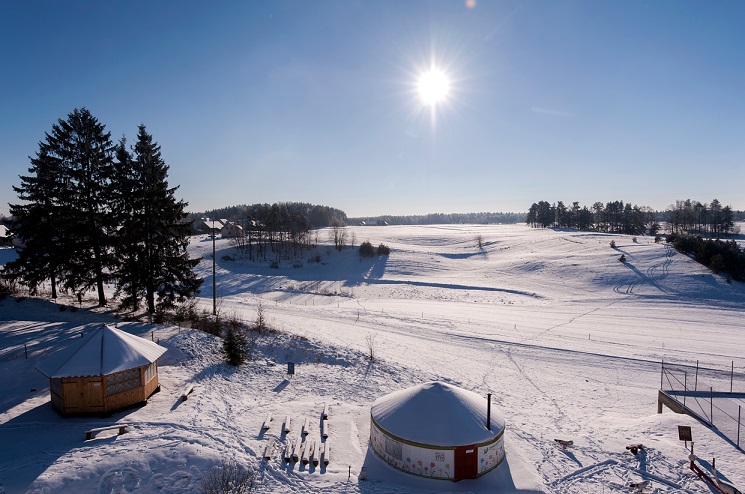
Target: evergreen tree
[[85, 151], [235, 346], [127, 209], [36, 223], [155, 261], [68, 210]]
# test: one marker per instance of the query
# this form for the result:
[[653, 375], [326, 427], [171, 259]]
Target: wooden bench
[[92, 433], [305, 430], [187, 391], [326, 453], [269, 450], [564, 443], [297, 453], [267, 421]]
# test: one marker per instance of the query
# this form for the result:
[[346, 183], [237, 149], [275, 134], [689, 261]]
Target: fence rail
[[714, 396]]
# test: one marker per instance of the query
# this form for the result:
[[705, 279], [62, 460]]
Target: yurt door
[[466, 463]]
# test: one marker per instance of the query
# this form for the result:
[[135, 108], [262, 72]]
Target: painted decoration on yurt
[[419, 460]]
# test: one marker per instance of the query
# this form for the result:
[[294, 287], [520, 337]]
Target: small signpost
[[290, 369], [684, 434]]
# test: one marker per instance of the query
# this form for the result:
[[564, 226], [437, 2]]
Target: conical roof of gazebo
[[104, 351]]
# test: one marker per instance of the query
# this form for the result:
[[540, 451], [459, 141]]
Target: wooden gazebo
[[104, 371]]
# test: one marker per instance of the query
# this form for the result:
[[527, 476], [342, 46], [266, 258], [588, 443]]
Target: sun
[[433, 87]]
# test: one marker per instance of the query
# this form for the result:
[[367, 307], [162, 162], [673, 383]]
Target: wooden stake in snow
[[267, 420], [325, 429], [305, 427], [286, 424], [325, 415]]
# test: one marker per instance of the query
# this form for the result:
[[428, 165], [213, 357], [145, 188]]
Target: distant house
[[231, 230], [4, 235], [208, 226]]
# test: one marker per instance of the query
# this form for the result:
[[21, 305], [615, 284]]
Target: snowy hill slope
[[568, 339]]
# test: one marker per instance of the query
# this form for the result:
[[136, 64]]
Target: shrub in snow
[[622, 258], [383, 250], [366, 249], [235, 346], [613, 244], [229, 477], [7, 287]]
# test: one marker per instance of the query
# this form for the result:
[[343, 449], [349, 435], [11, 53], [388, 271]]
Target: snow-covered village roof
[[436, 414], [103, 351]]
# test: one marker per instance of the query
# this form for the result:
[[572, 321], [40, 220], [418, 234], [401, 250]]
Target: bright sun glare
[[433, 87]]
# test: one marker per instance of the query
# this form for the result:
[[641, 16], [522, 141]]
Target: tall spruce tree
[[86, 153], [36, 222], [128, 212], [155, 261], [67, 218]]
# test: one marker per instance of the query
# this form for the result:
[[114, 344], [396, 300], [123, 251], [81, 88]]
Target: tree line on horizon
[[316, 216], [616, 217], [93, 212], [480, 218]]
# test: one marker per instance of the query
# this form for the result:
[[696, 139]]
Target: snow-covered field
[[568, 339]]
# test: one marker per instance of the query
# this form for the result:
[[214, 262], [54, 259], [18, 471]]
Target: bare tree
[[370, 344], [260, 317], [229, 477]]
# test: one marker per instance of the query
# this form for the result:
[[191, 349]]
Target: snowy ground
[[568, 339]]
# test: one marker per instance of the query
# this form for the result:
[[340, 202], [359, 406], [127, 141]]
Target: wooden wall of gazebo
[[104, 394]]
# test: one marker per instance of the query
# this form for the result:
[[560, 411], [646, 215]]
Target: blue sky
[[269, 101]]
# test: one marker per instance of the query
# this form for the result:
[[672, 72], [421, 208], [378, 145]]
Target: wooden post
[[732, 376], [685, 387], [739, 411], [25, 350], [711, 402], [695, 382], [662, 371]]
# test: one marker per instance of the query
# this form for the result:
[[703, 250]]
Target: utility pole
[[214, 284]]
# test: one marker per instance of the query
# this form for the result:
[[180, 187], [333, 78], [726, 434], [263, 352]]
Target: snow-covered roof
[[101, 352], [3, 231], [436, 414]]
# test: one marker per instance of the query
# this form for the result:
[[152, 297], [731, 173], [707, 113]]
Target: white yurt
[[104, 371], [437, 430]]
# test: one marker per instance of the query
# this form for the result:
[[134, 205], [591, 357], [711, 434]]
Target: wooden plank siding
[[87, 395]]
